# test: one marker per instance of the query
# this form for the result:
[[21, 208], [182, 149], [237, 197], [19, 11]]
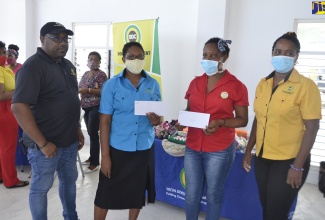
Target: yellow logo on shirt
[[148, 90], [73, 72], [224, 95], [289, 89]]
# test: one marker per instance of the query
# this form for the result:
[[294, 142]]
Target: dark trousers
[[91, 118], [275, 194]]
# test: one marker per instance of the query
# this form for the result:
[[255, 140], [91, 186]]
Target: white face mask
[[212, 67], [134, 66], [93, 65], [283, 64]]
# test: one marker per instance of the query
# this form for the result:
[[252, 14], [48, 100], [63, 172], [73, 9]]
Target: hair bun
[[291, 34]]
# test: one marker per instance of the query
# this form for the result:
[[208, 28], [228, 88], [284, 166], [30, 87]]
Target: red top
[[219, 103], [19, 65]]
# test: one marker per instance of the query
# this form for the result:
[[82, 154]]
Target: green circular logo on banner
[[132, 34], [182, 178]]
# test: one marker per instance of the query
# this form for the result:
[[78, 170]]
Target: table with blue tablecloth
[[241, 198]]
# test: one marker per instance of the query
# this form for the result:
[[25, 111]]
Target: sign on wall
[[144, 32], [318, 8]]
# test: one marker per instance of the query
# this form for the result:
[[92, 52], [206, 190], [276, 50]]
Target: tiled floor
[[14, 202]]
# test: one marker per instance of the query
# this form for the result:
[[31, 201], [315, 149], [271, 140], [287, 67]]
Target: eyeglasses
[[59, 39], [132, 57]]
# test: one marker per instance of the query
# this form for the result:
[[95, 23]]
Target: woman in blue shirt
[[126, 139]]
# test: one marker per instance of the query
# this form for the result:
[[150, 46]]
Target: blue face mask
[[283, 64], [210, 67]]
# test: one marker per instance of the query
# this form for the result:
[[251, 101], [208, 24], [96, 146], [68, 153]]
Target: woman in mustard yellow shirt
[[8, 126], [287, 112]]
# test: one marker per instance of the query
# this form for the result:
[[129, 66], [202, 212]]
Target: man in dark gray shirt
[[47, 107]]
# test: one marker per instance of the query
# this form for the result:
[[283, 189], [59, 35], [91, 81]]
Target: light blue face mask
[[283, 64], [210, 66]]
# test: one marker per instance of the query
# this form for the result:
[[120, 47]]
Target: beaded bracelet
[[295, 168], [43, 145]]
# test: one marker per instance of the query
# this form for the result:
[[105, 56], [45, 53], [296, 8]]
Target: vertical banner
[[144, 32]]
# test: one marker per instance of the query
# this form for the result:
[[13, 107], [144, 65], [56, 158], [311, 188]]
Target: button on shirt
[[280, 116], [129, 132]]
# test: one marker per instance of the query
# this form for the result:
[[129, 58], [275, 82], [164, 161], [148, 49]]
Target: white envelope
[[143, 107], [193, 119]]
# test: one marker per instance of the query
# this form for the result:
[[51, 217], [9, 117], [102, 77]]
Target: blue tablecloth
[[241, 198]]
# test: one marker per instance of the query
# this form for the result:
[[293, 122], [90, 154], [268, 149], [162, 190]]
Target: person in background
[[8, 126], [90, 87], [126, 139], [287, 112], [210, 152], [13, 54], [47, 107]]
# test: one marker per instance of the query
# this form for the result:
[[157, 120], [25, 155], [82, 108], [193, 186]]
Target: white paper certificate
[[143, 107], [193, 119]]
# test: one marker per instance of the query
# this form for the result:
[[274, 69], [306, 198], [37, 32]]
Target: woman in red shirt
[[210, 152]]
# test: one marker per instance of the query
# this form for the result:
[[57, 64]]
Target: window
[[92, 37], [311, 63]]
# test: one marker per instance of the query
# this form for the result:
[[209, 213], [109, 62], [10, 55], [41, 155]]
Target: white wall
[[13, 28], [211, 22], [31, 39], [181, 33]]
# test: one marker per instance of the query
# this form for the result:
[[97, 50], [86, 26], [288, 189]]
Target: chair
[[82, 113], [21, 152], [80, 165]]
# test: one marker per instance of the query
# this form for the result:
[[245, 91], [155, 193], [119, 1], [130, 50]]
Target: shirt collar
[[227, 77], [293, 76], [46, 57], [144, 74]]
